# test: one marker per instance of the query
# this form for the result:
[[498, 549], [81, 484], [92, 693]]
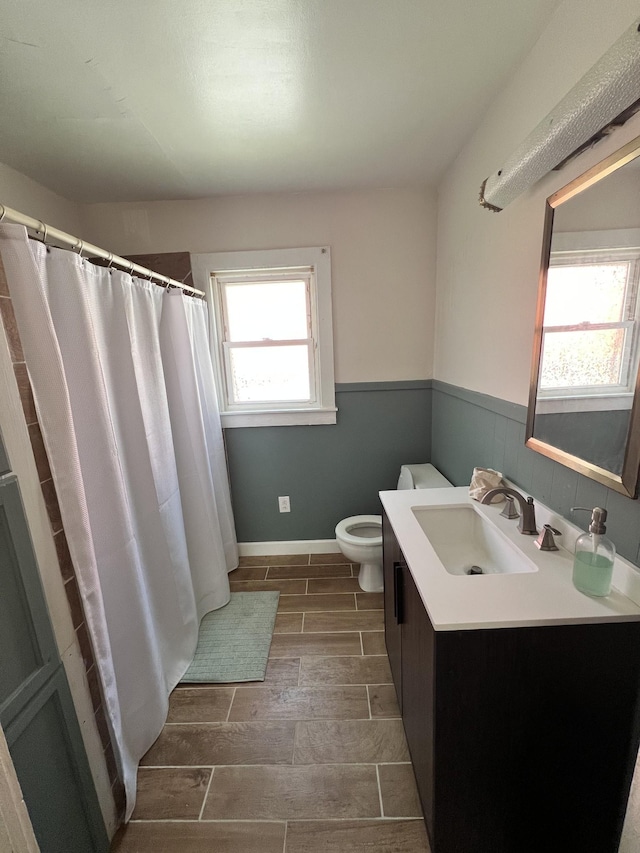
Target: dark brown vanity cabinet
[[522, 739]]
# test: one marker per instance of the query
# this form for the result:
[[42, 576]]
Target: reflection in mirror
[[586, 357]]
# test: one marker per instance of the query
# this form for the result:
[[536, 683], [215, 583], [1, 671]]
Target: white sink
[[467, 543], [443, 532]]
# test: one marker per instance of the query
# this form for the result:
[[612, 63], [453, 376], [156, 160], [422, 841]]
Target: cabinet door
[[28, 652], [393, 603], [46, 747], [418, 651], [36, 708]]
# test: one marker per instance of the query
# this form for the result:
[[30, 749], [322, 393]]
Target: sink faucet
[[527, 523]]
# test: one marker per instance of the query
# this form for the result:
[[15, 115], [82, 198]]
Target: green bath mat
[[234, 642]]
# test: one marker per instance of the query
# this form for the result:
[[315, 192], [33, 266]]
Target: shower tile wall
[[53, 509]]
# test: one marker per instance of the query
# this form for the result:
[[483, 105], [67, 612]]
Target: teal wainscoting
[[329, 471], [471, 429]]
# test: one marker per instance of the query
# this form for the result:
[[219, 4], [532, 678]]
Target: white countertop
[[543, 597]]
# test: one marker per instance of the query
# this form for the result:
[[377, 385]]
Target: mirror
[[584, 400]]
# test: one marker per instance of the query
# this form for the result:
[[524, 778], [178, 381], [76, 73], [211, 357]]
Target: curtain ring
[[42, 229], [110, 259], [79, 247], [39, 229], [4, 212]]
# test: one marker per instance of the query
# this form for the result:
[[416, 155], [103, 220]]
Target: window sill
[[548, 405], [278, 417]]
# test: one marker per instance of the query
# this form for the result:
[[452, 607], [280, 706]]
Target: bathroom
[[434, 303]]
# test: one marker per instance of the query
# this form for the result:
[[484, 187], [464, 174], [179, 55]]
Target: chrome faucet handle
[[546, 540], [509, 510]]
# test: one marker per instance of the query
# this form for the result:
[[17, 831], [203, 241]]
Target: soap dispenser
[[594, 557]]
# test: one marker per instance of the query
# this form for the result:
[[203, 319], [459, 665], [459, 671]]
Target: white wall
[[22, 194], [488, 264], [382, 252]]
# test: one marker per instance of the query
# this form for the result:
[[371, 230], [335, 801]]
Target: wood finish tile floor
[[312, 760]]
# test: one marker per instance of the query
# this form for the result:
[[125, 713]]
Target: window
[[590, 327], [271, 335]]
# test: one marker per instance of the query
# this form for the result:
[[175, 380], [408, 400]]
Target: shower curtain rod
[[78, 245]]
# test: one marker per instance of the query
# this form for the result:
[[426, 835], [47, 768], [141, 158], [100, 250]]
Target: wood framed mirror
[[584, 397]]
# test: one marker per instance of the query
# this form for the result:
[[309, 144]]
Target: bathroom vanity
[[520, 696]]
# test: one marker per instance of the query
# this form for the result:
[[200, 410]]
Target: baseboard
[[296, 546]]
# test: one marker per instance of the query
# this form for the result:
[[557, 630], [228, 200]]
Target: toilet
[[359, 537], [360, 540]]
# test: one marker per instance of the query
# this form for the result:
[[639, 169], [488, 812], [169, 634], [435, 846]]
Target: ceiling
[[132, 100]]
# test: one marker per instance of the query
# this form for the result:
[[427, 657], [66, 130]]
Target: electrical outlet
[[283, 504]]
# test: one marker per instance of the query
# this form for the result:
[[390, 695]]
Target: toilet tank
[[423, 476]]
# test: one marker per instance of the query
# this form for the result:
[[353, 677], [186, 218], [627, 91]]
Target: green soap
[[592, 573]]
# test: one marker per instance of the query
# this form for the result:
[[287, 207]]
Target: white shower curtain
[[198, 444], [123, 387]]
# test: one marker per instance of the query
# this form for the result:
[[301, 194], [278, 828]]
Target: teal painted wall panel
[[463, 435], [475, 429], [329, 471]]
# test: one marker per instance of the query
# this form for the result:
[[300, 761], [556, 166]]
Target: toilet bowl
[[360, 540], [359, 537]]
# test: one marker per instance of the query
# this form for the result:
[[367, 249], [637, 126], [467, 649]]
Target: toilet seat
[[345, 527]]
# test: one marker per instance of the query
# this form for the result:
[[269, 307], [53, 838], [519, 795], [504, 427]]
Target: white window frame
[[569, 248], [211, 271], [220, 280]]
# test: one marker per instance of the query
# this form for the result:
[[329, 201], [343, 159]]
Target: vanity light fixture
[[604, 98]]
